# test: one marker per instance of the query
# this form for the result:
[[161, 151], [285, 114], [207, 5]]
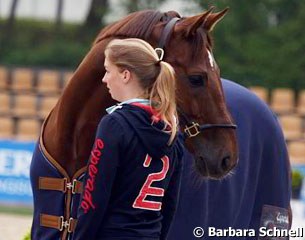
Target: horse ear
[[213, 19], [197, 21]]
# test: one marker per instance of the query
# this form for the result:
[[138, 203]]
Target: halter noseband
[[192, 128]]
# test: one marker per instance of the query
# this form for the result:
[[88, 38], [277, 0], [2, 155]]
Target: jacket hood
[[148, 129]]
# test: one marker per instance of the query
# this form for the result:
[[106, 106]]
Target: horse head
[[203, 115]]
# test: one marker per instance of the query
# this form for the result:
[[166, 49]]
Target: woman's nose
[[104, 80]]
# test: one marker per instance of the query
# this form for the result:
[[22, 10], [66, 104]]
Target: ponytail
[[163, 93]]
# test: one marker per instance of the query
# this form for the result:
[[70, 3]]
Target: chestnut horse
[[61, 155], [69, 132]]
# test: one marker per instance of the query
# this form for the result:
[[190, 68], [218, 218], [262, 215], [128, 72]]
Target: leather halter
[[192, 128], [168, 29]]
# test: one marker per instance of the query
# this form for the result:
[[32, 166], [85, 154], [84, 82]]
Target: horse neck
[[70, 130]]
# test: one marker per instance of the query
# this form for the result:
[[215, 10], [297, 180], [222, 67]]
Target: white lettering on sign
[[18, 187], [15, 163]]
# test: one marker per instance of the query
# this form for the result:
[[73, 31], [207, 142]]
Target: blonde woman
[[132, 182]]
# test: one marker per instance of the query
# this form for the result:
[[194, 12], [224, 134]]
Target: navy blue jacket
[[132, 181], [261, 178]]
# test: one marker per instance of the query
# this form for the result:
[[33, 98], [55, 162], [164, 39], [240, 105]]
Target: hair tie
[[160, 53]]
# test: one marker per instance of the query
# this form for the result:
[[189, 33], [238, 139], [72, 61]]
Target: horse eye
[[196, 80]]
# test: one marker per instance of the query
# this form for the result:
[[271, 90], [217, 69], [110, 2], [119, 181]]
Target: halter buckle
[[193, 130]]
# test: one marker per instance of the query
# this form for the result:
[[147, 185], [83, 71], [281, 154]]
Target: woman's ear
[[126, 74]]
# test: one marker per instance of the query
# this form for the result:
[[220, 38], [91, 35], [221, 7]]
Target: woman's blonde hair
[[156, 76]]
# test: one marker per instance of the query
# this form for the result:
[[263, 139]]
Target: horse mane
[[140, 25], [136, 25]]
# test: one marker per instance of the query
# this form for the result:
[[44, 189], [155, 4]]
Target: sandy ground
[[14, 227]]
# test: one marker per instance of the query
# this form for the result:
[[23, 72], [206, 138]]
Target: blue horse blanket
[[256, 194], [53, 209], [258, 191]]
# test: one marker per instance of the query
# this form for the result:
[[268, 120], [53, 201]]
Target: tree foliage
[[136, 5], [261, 42], [7, 27], [59, 12], [97, 10], [257, 43]]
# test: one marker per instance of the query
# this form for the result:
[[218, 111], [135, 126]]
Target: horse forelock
[[137, 25], [200, 40]]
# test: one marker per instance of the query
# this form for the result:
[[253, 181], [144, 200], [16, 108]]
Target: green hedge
[[261, 42], [247, 49], [33, 43]]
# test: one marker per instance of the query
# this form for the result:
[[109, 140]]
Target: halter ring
[[161, 52]]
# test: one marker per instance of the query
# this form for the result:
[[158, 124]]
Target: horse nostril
[[225, 164], [202, 166]]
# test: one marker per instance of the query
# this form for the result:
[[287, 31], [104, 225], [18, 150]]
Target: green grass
[[27, 211]]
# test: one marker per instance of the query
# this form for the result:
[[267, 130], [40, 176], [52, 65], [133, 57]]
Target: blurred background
[[259, 44]]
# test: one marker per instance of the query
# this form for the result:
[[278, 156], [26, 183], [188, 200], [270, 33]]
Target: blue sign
[[15, 160]]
